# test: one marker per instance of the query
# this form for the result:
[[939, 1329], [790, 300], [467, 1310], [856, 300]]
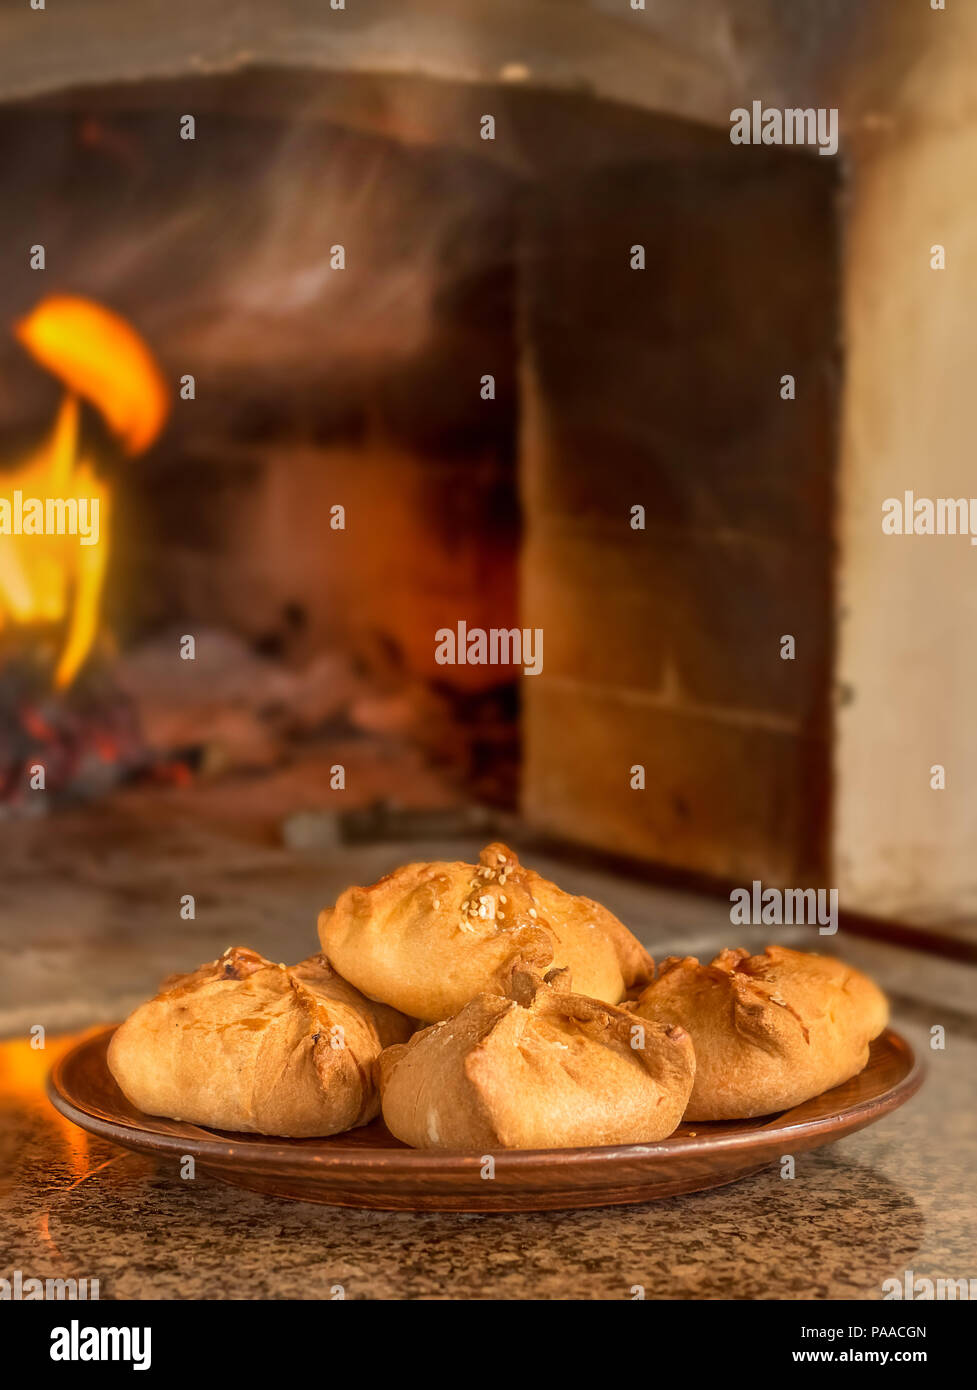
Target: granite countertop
[[899, 1195]]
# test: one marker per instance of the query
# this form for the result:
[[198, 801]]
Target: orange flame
[[46, 577]]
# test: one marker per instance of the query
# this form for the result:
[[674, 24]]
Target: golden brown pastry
[[429, 937], [243, 1044], [540, 1069], [769, 1031]]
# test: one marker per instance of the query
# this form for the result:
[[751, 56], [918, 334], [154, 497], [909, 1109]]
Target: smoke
[[227, 249]]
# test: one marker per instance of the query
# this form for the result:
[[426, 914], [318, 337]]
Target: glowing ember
[[54, 511]]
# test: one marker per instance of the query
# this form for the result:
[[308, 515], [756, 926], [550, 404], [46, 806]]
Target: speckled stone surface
[[84, 938], [897, 1196]]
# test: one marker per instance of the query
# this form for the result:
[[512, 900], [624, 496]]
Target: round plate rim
[[269, 1156]]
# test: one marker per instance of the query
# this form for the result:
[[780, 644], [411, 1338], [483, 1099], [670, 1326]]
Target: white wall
[[908, 604]]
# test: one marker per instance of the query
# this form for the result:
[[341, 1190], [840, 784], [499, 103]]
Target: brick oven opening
[[434, 382]]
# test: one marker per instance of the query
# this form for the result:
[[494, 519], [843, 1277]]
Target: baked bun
[[539, 1069], [429, 937], [243, 1044], [769, 1031]]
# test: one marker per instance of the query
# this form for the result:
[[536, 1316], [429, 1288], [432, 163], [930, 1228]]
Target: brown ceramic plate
[[369, 1168]]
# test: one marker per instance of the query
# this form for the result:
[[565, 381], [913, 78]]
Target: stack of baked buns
[[478, 1006]]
